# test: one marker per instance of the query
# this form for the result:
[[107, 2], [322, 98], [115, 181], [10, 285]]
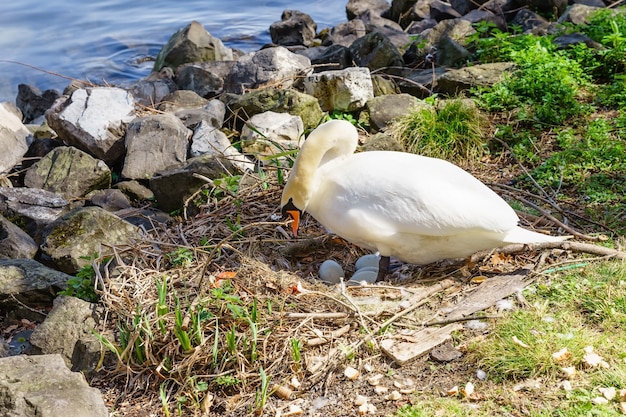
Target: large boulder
[[376, 52], [42, 386], [384, 109], [69, 172], [72, 240], [94, 120]]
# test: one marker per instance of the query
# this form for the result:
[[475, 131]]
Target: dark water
[[113, 40]]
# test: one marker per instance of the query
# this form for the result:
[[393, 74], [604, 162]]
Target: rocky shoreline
[[98, 167]]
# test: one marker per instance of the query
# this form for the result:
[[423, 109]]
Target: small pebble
[[360, 399], [445, 353], [393, 396], [381, 389], [482, 375], [375, 379]]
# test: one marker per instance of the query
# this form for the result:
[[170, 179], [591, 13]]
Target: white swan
[[415, 208]]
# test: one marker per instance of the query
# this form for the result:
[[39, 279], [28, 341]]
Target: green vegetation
[[82, 285], [582, 311], [452, 130]]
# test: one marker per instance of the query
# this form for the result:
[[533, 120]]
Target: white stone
[[344, 90]]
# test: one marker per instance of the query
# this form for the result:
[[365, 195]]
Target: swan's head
[[330, 141], [293, 213]]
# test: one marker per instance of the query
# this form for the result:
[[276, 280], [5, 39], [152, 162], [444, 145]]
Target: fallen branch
[[566, 245]]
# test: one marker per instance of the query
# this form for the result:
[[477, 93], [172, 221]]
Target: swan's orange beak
[[293, 213]]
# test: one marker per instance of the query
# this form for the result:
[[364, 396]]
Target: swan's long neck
[[330, 141]]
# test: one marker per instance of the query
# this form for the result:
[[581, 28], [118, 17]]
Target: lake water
[[110, 40]]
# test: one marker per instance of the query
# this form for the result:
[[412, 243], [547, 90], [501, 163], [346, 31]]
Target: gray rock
[[42, 386], [173, 186], [269, 65], [191, 44], [294, 28], [419, 83], [347, 32], [135, 190], [154, 143], [14, 242], [28, 281], [181, 100], [344, 90], [268, 134], [204, 78], [376, 52], [32, 102], [278, 100], [14, 137], [212, 112], [69, 172], [577, 14], [72, 240], [328, 58], [145, 218], [94, 120], [32, 208], [68, 331], [456, 81], [208, 139], [440, 10], [384, 109], [382, 142], [152, 89], [110, 199], [355, 8]]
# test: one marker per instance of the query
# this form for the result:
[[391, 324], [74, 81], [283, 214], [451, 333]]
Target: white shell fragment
[[331, 272], [351, 373], [562, 355], [608, 393]]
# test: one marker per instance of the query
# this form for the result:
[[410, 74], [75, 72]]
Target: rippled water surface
[[111, 40]]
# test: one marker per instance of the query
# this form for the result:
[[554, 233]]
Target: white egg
[[331, 272], [364, 261], [368, 275]]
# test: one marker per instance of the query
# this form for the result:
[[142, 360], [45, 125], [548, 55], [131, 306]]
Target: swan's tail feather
[[520, 235]]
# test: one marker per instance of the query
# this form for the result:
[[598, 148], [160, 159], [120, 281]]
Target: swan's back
[[418, 194]]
